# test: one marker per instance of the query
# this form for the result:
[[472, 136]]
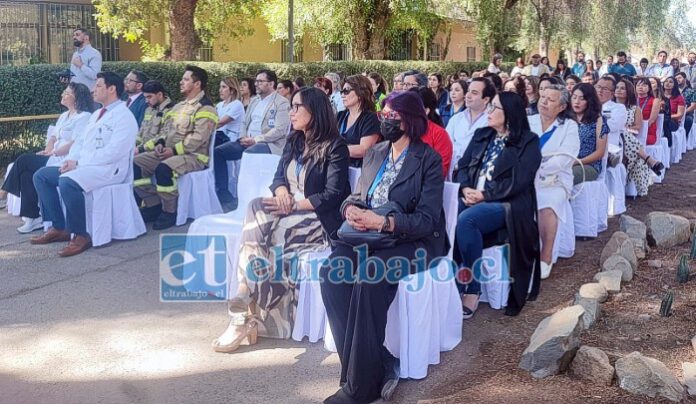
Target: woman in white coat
[[560, 143]]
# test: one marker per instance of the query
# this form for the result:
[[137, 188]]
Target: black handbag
[[374, 239]]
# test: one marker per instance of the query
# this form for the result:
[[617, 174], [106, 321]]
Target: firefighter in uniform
[[182, 146], [156, 115]]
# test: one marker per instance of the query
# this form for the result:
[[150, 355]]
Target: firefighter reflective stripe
[[168, 188], [205, 115], [179, 148], [202, 158], [140, 182], [150, 144]]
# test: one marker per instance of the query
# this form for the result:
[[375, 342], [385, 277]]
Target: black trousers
[[357, 313], [20, 183]]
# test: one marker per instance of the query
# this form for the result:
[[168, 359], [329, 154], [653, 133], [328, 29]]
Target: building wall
[[463, 37]]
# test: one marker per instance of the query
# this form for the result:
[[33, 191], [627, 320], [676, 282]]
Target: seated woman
[[592, 130], [405, 171], [496, 177], [358, 123], [436, 136], [437, 86], [309, 186], [649, 104], [638, 162], [571, 81], [532, 91], [560, 143], [457, 102], [78, 100], [676, 100], [379, 89]]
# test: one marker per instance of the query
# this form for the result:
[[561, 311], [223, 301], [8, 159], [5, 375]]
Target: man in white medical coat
[[99, 157]]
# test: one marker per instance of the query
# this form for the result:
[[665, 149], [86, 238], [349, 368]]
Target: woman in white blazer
[[560, 144]]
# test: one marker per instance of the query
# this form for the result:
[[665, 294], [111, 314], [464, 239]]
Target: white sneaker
[[545, 270], [30, 225]]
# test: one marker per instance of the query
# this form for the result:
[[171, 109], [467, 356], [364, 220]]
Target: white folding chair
[[255, 178], [590, 204], [14, 203], [112, 212], [691, 140], [197, 196], [616, 184]]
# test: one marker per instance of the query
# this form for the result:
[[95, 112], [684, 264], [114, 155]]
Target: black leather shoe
[[151, 214], [165, 221], [340, 397], [231, 205], [657, 168]]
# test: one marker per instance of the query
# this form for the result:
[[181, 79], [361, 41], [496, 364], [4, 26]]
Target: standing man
[[661, 69], [336, 99], [86, 62], [579, 68], [181, 147], [536, 68], [605, 68], [155, 115], [690, 68], [99, 157], [264, 130], [133, 84], [622, 66]]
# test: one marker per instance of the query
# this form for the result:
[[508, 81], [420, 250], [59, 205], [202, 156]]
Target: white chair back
[[450, 204], [660, 125], [643, 134], [255, 178], [353, 177]]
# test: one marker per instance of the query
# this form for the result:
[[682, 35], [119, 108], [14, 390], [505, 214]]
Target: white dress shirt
[[461, 128]]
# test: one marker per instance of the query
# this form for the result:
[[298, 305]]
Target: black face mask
[[391, 129]]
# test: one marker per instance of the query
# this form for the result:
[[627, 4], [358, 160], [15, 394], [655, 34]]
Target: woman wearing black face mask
[[401, 171]]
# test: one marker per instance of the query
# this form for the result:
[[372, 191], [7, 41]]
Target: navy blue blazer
[[138, 108]]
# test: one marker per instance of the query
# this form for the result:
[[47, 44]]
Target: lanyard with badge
[[380, 174]]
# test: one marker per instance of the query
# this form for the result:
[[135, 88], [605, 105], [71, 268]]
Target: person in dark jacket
[[405, 171], [498, 202], [309, 185]]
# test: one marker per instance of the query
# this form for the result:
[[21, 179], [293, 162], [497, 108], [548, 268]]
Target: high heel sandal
[[249, 332], [469, 312], [657, 167]]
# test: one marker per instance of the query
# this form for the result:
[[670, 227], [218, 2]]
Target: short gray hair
[[565, 94], [334, 77]]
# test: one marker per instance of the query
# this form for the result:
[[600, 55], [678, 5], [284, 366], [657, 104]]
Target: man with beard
[[86, 61]]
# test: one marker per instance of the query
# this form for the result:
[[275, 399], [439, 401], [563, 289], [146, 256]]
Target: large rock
[[643, 375], [590, 297], [619, 263], [689, 370], [637, 232], [619, 244], [592, 364], [666, 230], [611, 280], [554, 342]]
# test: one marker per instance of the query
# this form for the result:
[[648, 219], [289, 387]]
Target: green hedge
[[35, 90]]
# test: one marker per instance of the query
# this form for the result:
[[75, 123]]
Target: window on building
[[470, 53], [434, 51], [205, 54], [36, 32], [338, 51], [285, 55], [401, 47]]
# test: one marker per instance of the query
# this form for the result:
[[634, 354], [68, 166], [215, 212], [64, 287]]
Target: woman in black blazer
[[498, 201], [401, 170], [303, 215]]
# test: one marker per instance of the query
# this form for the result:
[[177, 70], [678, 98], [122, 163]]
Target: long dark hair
[[521, 89], [515, 115], [675, 88], [645, 81], [594, 106], [440, 87], [83, 97], [251, 85], [322, 129], [429, 102], [363, 89], [631, 97]]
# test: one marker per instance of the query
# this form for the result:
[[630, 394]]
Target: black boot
[[165, 221], [151, 214]]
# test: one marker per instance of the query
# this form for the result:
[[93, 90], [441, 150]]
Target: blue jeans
[[473, 223], [232, 151], [47, 180]]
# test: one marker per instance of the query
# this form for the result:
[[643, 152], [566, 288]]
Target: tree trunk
[[369, 30], [185, 40], [445, 51]]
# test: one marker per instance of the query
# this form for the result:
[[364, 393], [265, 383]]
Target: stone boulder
[[592, 364], [590, 297], [666, 230], [689, 370], [637, 232], [647, 376], [619, 263], [554, 342], [611, 280], [619, 244]]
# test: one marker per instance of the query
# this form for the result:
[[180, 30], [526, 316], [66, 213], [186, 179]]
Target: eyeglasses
[[296, 107], [492, 107], [262, 81], [410, 85], [602, 89], [127, 80], [383, 116], [346, 91]]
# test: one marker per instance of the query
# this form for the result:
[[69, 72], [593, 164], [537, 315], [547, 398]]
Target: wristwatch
[[385, 225]]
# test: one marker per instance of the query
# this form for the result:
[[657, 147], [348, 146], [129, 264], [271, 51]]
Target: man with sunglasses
[[264, 130], [133, 86]]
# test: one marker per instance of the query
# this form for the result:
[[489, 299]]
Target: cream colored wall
[[463, 36], [254, 48]]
